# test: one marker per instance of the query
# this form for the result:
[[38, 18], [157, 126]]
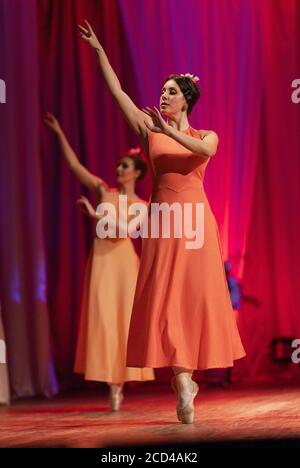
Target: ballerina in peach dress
[[110, 280], [182, 316]]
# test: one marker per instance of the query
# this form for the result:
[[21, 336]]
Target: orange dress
[[109, 286], [182, 314]]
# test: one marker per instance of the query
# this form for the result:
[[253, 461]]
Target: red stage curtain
[[246, 54]]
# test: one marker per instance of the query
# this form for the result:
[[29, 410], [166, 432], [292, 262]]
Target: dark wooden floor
[[148, 416]]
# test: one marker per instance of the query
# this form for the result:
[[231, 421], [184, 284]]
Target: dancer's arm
[[83, 175], [134, 116], [206, 146], [87, 208]]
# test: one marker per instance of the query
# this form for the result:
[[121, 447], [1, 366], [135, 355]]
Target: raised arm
[[83, 175], [134, 116]]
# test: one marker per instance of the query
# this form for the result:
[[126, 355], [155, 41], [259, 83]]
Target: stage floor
[[148, 417]]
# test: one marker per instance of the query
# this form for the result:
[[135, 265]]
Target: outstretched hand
[[88, 35], [52, 122], [159, 125]]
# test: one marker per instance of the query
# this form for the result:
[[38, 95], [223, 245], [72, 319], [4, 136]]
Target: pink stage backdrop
[[246, 53]]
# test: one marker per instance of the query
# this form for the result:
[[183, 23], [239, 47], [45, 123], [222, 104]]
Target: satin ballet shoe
[[185, 414], [115, 397]]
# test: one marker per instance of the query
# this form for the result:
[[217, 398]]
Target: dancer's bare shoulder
[[204, 133], [113, 192], [101, 186], [107, 194]]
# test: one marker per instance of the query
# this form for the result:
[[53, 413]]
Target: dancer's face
[[172, 100], [126, 171]]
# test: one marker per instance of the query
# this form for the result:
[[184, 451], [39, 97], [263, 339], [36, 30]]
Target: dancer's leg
[[115, 395], [179, 370]]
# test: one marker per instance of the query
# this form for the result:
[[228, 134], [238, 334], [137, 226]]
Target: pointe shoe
[[115, 397], [185, 414]]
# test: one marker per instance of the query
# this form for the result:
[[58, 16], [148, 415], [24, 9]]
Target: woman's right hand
[[88, 35], [52, 122]]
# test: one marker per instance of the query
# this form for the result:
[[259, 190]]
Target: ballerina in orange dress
[[110, 280], [182, 315]]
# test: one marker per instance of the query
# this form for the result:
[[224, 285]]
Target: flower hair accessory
[[194, 78], [132, 152]]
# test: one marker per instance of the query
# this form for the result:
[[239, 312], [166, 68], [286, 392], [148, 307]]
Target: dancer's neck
[[179, 122], [127, 189]]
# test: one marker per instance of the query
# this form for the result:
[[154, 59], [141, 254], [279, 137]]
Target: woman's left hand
[[159, 124], [86, 207]]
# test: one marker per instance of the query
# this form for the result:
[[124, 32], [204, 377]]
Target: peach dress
[[109, 286], [182, 314]]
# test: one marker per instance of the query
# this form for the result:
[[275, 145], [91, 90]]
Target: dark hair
[[139, 165], [138, 162], [190, 90]]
